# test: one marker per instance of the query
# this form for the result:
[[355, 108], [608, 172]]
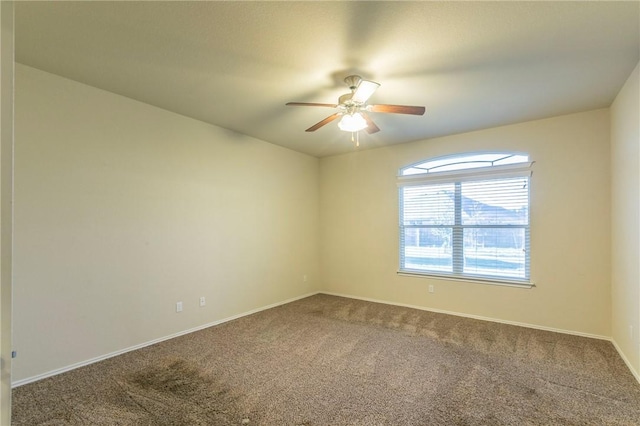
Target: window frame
[[457, 177]]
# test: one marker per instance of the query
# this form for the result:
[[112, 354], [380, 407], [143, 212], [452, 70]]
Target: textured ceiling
[[235, 64]]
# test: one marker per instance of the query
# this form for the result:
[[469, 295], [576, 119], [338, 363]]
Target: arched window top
[[464, 161]]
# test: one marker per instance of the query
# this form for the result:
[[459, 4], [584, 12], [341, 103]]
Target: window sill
[[489, 281]]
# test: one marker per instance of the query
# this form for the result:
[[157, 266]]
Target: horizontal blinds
[[429, 204], [477, 228], [486, 202], [495, 202]]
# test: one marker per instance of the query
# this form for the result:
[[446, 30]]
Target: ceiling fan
[[353, 108]]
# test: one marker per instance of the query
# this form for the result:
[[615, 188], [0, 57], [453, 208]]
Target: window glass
[[465, 225], [464, 161]]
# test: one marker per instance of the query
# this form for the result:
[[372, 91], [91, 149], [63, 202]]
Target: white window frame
[[522, 169]]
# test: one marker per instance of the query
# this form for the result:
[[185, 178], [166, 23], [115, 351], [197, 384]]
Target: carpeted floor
[[327, 360]]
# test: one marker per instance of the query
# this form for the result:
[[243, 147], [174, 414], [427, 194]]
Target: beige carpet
[[326, 360]]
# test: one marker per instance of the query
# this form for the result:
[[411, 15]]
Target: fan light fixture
[[352, 122], [353, 108]]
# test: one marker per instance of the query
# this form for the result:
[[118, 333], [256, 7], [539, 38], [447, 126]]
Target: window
[[466, 216]]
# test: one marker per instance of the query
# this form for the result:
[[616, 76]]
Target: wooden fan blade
[[311, 104], [329, 119], [371, 126], [397, 109]]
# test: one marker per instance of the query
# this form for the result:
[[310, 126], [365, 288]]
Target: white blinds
[[466, 223]]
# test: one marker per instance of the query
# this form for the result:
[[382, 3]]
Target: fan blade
[[329, 119], [311, 104], [397, 109], [364, 91], [371, 126]]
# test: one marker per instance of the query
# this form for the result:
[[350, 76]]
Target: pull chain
[[355, 138]]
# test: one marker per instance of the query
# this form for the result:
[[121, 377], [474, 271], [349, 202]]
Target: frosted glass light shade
[[352, 122]]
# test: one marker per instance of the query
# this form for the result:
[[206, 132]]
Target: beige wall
[[6, 197], [625, 220], [123, 209], [570, 221]]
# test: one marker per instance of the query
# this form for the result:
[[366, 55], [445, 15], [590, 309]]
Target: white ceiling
[[235, 64]]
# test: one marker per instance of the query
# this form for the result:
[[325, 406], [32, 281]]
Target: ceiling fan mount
[[353, 81], [353, 108]]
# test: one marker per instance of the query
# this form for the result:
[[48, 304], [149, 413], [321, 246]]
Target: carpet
[[327, 360]]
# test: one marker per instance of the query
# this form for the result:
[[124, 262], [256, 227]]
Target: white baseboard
[[626, 360], [478, 317], [151, 342], [284, 302]]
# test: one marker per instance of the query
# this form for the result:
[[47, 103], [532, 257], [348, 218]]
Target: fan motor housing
[[346, 99]]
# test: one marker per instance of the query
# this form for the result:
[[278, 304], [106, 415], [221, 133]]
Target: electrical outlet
[[202, 301], [178, 306], [431, 289], [304, 278]]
